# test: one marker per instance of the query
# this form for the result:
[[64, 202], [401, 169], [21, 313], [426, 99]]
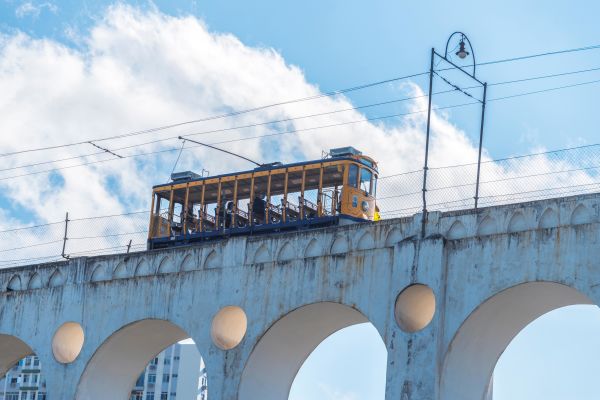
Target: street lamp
[[462, 53]]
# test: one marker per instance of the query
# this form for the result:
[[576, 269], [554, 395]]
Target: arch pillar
[[413, 358]]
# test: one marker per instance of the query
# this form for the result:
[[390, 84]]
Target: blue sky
[[340, 44]]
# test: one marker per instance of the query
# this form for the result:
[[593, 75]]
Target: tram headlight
[[365, 205]]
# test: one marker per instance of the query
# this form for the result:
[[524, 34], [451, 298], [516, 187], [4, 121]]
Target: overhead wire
[[220, 116], [369, 119], [387, 102], [307, 98]]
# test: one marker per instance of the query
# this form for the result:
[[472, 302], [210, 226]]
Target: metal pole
[[480, 145], [425, 167], [129, 246], [65, 237]]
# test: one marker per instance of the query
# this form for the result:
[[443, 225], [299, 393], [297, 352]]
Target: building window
[[137, 395], [12, 396], [140, 380], [164, 396], [149, 395], [151, 379], [167, 361], [176, 358], [166, 378]]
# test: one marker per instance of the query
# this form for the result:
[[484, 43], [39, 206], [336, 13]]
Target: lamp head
[[462, 53]]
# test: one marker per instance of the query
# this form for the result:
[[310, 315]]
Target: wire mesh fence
[[511, 180], [73, 238]]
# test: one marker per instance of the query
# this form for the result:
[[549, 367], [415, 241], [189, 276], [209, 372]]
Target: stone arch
[[213, 260], [281, 351], [581, 215], [120, 271], [188, 263], [517, 222], [122, 356], [487, 227], [12, 349], [489, 329], [14, 283], [35, 282], [549, 219], [262, 255], [366, 241], [286, 252], [56, 279], [166, 266], [100, 273], [339, 245], [457, 231], [394, 236], [313, 249], [143, 268]]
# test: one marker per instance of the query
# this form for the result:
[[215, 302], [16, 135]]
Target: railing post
[[65, 238]]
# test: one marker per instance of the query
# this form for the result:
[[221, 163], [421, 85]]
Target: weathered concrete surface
[[493, 271]]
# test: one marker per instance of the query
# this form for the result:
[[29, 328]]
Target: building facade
[[177, 373], [24, 381]]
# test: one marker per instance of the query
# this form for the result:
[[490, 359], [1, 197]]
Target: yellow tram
[[272, 197]]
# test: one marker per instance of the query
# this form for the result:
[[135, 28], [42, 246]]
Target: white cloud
[[140, 69], [331, 393], [34, 10]]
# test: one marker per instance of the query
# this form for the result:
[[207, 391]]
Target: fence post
[[480, 145], [129, 246], [65, 238], [425, 167]]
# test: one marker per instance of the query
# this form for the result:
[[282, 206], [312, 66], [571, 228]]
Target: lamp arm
[[470, 47]]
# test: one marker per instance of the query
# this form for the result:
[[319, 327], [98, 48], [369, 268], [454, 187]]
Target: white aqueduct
[[446, 305]]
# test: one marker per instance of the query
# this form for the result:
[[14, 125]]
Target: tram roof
[[273, 166]]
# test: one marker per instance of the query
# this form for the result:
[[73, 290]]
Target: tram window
[[208, 209], [193, 209], [162, 207], [374, 186], [353, 175], [365, 180], [178, 200], [258, 209], [332, 181]]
